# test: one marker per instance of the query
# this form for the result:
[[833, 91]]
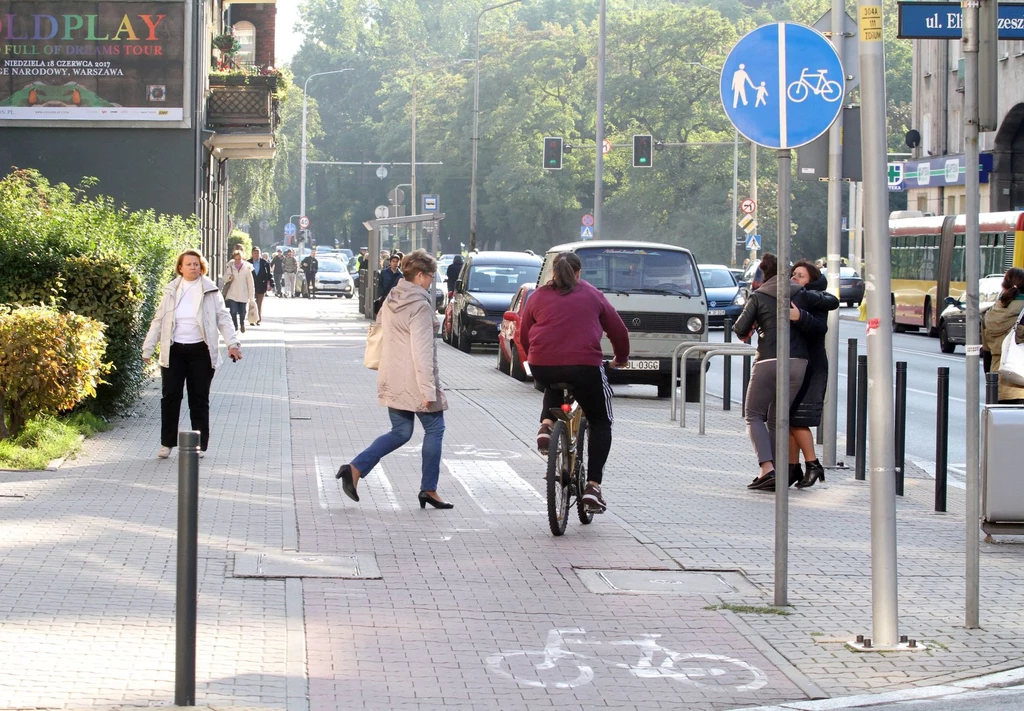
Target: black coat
[[809, 400], [759, 313], [264, 281], [452, 273]]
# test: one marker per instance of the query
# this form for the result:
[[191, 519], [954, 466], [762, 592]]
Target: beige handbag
[[374, 345]]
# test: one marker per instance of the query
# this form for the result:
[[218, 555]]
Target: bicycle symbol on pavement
[[800, 89], [557, 667]]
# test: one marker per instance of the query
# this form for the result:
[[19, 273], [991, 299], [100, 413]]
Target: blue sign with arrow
[[782, 85], [289, 229]]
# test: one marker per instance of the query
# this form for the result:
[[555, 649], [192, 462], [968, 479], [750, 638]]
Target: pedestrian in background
[[452, 275], [241, 288], [310, 266], [277, 267], [390, 275], [809, 401], [291, 268], [262, 280], [187, 327], [407, 381], [759, 313], [997, 323]]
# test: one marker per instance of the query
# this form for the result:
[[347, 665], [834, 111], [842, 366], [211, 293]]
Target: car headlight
[[695, 324], [740, 299], [474, 310]]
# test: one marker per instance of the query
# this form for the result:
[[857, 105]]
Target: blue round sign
[[289, 229], [782, 85]]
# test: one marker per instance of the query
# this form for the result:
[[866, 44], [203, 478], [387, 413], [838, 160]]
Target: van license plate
[[716, 312], [641, 365]]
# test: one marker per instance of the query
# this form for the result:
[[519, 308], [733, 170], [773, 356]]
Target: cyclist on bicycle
[[561, 336]]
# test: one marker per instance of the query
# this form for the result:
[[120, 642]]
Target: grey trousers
[[760, 404]]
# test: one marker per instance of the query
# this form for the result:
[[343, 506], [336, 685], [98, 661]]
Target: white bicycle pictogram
[[827, 89], [557, 667]]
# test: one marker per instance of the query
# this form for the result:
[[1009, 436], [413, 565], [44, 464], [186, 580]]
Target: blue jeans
[[237, 309], [401, 432]]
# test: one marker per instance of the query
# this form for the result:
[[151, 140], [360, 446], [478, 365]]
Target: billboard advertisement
[[78, 60]]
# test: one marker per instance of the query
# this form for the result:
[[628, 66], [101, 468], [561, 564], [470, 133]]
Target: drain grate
[[253, 564], [665, 582]]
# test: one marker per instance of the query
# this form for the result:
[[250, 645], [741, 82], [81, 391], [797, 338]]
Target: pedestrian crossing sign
[[586, 232], [754, 242]]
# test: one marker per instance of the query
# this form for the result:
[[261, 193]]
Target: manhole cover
[[665, 582], [251, 564]]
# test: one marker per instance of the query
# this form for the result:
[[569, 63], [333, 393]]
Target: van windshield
[[640, 270]]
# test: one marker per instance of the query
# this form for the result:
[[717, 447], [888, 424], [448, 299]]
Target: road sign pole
[[972, 260], [599, 141], [753, 184], [782, 386], [830, 415], [735, 193], [875, 198]]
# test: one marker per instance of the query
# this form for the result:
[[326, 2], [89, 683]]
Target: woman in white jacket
[[241, 288], [188, 320]]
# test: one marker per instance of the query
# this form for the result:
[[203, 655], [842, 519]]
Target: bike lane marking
[[329, 494], [488, 482]]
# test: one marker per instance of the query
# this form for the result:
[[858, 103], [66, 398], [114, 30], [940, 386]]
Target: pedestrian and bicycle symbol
[[782, 85]]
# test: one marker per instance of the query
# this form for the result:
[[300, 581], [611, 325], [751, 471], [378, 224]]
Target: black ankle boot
[[814, 472], [795, 473]]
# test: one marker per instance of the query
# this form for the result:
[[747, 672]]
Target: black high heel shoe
[[345, 474], [814, 472], [426, 498]]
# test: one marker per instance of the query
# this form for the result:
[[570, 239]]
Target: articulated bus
[[928, 262]]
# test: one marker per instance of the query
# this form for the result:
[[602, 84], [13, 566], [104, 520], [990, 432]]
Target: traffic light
[[553, 153], [642, 151]]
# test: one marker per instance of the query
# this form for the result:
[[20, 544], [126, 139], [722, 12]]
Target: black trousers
[[594, 394], [189, 365]]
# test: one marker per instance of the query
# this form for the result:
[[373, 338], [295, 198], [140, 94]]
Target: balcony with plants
[[241, 104]]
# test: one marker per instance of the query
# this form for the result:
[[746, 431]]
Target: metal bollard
[[901, 424], [941, 437], [746, 382], [851, 397], [862, 417], [188, 550], [991, 388], [727, 373]]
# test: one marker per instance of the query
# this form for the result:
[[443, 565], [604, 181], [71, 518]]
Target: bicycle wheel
[[832, 91], [797, 91], [586, 516], [558, 479]]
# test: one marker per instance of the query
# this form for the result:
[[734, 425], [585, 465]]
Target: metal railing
[[679, 356], [727, 349]]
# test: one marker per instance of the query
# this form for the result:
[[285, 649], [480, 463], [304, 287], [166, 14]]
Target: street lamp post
[[476, 120], [302, 163]]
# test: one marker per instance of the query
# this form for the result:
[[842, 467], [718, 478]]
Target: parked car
[[725, 295], [851, 286], [953, 319], [483, 292], [510, 354], [332, 277]]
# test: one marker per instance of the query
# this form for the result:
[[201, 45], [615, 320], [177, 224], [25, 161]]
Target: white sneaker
[[202, 453], [164, 453]]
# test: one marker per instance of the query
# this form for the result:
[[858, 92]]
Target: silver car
[[332, 277]]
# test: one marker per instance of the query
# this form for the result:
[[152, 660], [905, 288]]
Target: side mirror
[[950, 301], [510, 316], [458, 285]]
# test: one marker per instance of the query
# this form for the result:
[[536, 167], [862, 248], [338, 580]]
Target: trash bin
[[1002, 495]]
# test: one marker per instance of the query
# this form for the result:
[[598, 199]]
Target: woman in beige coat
[[241, 288], [407, 381], [997, 323]]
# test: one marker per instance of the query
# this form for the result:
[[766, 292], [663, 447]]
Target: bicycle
[[800, 89], [566, 475], [704, 671]]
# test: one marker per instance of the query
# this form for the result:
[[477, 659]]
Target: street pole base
[[864, 644], [838, 465]]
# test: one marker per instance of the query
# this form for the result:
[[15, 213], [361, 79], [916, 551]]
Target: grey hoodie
[[759, 313], [408, 374]]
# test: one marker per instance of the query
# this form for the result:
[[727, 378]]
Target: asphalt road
[[923, 358]]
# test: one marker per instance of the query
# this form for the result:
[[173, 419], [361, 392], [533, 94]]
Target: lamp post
[[476, 120], [302, 163]]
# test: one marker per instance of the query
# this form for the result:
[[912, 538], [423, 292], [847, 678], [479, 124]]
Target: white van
[[658, 292]]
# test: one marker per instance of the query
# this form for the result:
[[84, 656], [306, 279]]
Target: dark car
[[483, 293], [510, 352], [725, 294], [851, 286]]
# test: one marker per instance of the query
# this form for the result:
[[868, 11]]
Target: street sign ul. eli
[[303, 222], [782, 85], [289, 229], [944, 20], [586, 232], [748, 206]]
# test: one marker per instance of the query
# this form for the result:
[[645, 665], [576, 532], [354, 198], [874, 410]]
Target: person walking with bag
[[262, 281], [187, 327], [407, 381], [1003, 318], [240, 288], [759, 313], [806, 410]]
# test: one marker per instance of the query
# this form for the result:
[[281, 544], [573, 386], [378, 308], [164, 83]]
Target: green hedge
[[84, 254]]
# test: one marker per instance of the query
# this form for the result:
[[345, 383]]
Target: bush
[[60, 247], [49, 362]]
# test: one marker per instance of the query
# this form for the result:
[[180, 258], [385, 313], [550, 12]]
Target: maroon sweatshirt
[[566, 330]]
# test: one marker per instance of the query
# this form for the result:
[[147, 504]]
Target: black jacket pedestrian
[[310, 266], [263, 280], [388, 279], [759, 313], [277, 266], [809, 400], [452, 273]]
